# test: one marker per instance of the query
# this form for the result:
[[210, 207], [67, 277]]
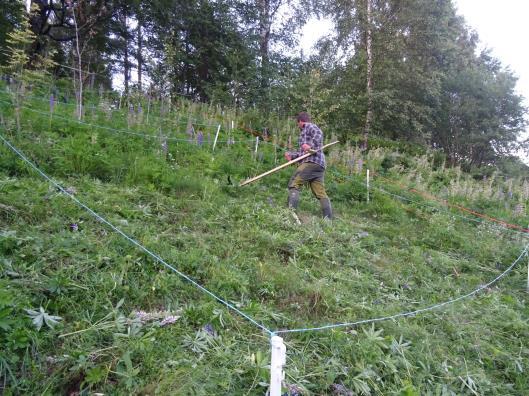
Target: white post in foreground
[[527, 254], [256, 146], [216, 137], [367, 185], [279, 359]]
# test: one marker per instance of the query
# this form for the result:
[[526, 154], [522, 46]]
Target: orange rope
[[461, 208]]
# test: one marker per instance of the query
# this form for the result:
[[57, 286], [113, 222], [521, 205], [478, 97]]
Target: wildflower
[[169, 320], [209, 329], [142, 316]]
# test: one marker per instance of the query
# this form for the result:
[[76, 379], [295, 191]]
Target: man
[[311, 169]]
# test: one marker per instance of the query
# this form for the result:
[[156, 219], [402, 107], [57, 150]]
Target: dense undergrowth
[[130, 325]]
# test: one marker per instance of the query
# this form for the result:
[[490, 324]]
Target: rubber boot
[[326, 208], [293, 198]]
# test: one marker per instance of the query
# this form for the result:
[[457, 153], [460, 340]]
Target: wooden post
[[216, 137], [52, 107], [367, 183], [148, 107], [256, 146], [274, 142], [527, 255], [277, 361]]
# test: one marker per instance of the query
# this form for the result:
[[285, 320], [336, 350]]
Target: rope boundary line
[[492, 224], [409, 313], [133, 241], [445, 202], [233, 308]]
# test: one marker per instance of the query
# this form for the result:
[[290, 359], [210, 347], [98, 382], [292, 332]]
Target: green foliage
[[10, 15], [145, 174], [15, 333], [21, 65], [397, 253]]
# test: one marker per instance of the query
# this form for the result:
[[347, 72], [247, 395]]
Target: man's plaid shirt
[[313, 136]]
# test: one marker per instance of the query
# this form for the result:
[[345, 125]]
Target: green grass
[[375, 259]]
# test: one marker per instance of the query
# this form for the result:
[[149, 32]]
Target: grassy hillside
[[135, 201]]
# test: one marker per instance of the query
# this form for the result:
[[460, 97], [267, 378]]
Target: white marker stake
[[368, 185], [527, 254], [279, 359], [216, 137], [256, 146]]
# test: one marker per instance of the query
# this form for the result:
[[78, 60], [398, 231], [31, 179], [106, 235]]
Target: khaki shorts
[[312, 174]]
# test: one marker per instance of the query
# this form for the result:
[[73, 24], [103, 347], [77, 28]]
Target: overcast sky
[[503, 27]]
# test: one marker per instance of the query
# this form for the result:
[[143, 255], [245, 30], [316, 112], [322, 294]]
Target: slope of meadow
[[95, 256]]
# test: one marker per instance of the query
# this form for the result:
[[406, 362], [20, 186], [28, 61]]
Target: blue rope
[[230, 306], [153, 255], [410, 313]]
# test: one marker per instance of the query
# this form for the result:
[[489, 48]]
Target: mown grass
[[375, 259]]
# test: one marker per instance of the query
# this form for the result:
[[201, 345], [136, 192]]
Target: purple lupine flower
[[169, 320], [142, 316], [200, 138], [52, 103], [74, 227], [208, 328]]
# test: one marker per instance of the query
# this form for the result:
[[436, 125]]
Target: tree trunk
[[264, 44], [126, 64], [139, 55], [79, 92], [369, 53]]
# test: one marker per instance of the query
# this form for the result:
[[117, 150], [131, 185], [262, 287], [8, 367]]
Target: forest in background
[[404, 70]]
